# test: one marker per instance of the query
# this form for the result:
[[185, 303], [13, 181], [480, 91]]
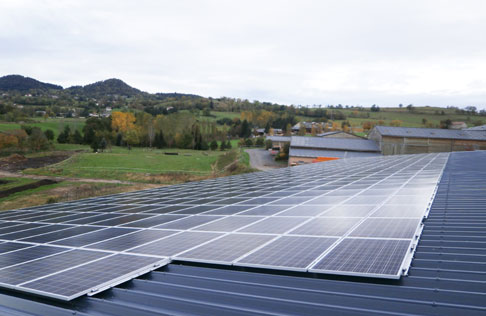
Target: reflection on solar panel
[[356, 217]]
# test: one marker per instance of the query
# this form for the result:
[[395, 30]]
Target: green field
[[219, 115], [121, 163], [54, 124], [14, 182]]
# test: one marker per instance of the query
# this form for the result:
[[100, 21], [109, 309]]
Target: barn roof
[[349, 144], [417, 132]]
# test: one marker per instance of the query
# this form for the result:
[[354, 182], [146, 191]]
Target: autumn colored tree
[[122, 121], [7, 141]]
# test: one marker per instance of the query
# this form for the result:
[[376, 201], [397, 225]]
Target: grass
[[54, 124], [15, 182], [27, 197], [121, 164], [64, 191], [245, 158], [215, 115]]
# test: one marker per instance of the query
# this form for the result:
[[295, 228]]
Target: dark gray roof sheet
[[431, 133], [477, 128], [313, 153], [329, 133], [447, 276], [349, 144], [279, 138]]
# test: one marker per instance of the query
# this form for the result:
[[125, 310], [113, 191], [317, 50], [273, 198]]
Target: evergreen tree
[[64, 135], [245, 129], [95, 145], [49, 134], [119, 139], [222, 147], [214, 145], [204, 145], [267, 127], [77, 137], [102, 144]]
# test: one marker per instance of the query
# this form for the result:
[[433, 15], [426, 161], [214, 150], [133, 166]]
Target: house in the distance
[[458, 125], [279, 141], [412, 140], [315, 149]]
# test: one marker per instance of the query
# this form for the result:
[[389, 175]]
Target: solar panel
[[273, 225], [128, 241], [175, 244], [225, 249], [387, 228], [189, 222], [288, 252], [328, 226], [11, 246], [370, 257], [93, 237], [315, 217], [94, 277], [22, 273], [229, 224]]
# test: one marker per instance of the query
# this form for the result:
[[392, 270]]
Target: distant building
[[279, 141], [307, 125], [314, 149], [259, 131], [458, 125], [411, 140], [339, 134]]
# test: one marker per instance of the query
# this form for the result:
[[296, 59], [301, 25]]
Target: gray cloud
[[426, 52]]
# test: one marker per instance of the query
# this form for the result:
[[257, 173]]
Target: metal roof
[[314, 153], [279, 138], [477, 128], [430, 133], [349, 144], [447, 276]]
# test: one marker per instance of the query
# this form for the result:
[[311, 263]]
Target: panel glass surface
[[312, 217]]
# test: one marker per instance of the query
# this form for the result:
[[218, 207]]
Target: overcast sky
[[356, 52]]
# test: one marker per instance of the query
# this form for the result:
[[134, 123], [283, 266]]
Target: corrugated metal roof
[[329, 133], [431, 133], [349, 144], [477, 128], [447, 276], [314, 153], [279, 138]]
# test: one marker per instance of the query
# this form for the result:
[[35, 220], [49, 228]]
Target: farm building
[[411, 140], [279, 141], [312, 149]]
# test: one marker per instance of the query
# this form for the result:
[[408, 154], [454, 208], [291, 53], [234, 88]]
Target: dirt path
[[262, 160], [20, 175]]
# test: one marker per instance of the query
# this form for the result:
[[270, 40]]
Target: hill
[[23, 84], [109, 87]]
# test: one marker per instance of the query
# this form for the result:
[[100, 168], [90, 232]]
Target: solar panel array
[[352, 217]]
